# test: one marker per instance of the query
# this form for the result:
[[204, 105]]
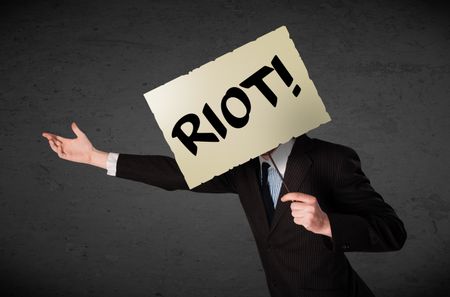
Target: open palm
[[76, 150]]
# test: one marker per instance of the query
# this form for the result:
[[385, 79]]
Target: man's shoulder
[[328, 149]]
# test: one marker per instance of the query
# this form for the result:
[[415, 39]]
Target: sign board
[[237, 107]]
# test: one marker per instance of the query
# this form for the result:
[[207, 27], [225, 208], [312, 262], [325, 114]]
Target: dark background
[[381, 68]]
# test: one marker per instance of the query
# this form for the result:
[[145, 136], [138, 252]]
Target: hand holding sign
[[307, 213]]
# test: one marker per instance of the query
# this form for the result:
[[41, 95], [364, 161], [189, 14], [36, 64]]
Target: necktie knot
[[265, 172]]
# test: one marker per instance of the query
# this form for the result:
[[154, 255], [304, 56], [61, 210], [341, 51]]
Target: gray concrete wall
[[382, 69]]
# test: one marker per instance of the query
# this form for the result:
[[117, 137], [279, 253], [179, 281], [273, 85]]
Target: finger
[[49, 136], [55, 148], [302, 222], [299, 197], [59, 147], [297, 214], [305, 209], [61, 139], [306, 220], [54, 137], [61, 152], [77, 130], [300, 205], [55, 141]]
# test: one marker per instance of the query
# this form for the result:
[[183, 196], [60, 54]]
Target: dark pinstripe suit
[[296, 261]]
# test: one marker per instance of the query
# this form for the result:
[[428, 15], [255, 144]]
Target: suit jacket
[[298, 262]]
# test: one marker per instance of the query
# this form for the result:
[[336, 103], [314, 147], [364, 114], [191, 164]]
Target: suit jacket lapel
[[252, 172], [297, 168]]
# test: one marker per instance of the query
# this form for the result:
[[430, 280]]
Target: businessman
[[305, 209]]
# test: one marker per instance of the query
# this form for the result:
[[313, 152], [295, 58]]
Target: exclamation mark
[[285, 75]]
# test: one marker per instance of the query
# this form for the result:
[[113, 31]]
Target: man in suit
[[301, 243]]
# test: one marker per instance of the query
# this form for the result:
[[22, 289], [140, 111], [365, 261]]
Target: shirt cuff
[[111, 163]]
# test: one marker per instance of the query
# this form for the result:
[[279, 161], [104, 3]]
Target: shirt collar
[[280, 156]]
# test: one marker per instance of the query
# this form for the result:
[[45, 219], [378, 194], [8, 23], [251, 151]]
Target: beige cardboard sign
[[237, 107]]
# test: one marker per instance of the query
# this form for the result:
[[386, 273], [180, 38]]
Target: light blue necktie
[[275, 182]]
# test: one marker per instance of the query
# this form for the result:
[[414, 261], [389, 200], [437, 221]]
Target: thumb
[[77, 130], [287, 197], [297, 196]]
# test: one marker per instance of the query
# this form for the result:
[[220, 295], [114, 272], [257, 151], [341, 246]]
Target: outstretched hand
[[78, 149], [306, 212]]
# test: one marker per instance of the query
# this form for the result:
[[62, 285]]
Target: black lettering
[[188, 140], [285, 75], [282, 71], [214, 120], [236, 122], [256, 79]]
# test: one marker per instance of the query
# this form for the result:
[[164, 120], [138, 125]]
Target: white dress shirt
[[279, 155], [111, 163]]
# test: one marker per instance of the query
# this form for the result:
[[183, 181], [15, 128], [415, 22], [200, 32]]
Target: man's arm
[[163, 172], [159, 171], [361, 220]]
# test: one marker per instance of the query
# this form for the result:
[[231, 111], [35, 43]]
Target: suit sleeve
[[163, 172], [361, 220]]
